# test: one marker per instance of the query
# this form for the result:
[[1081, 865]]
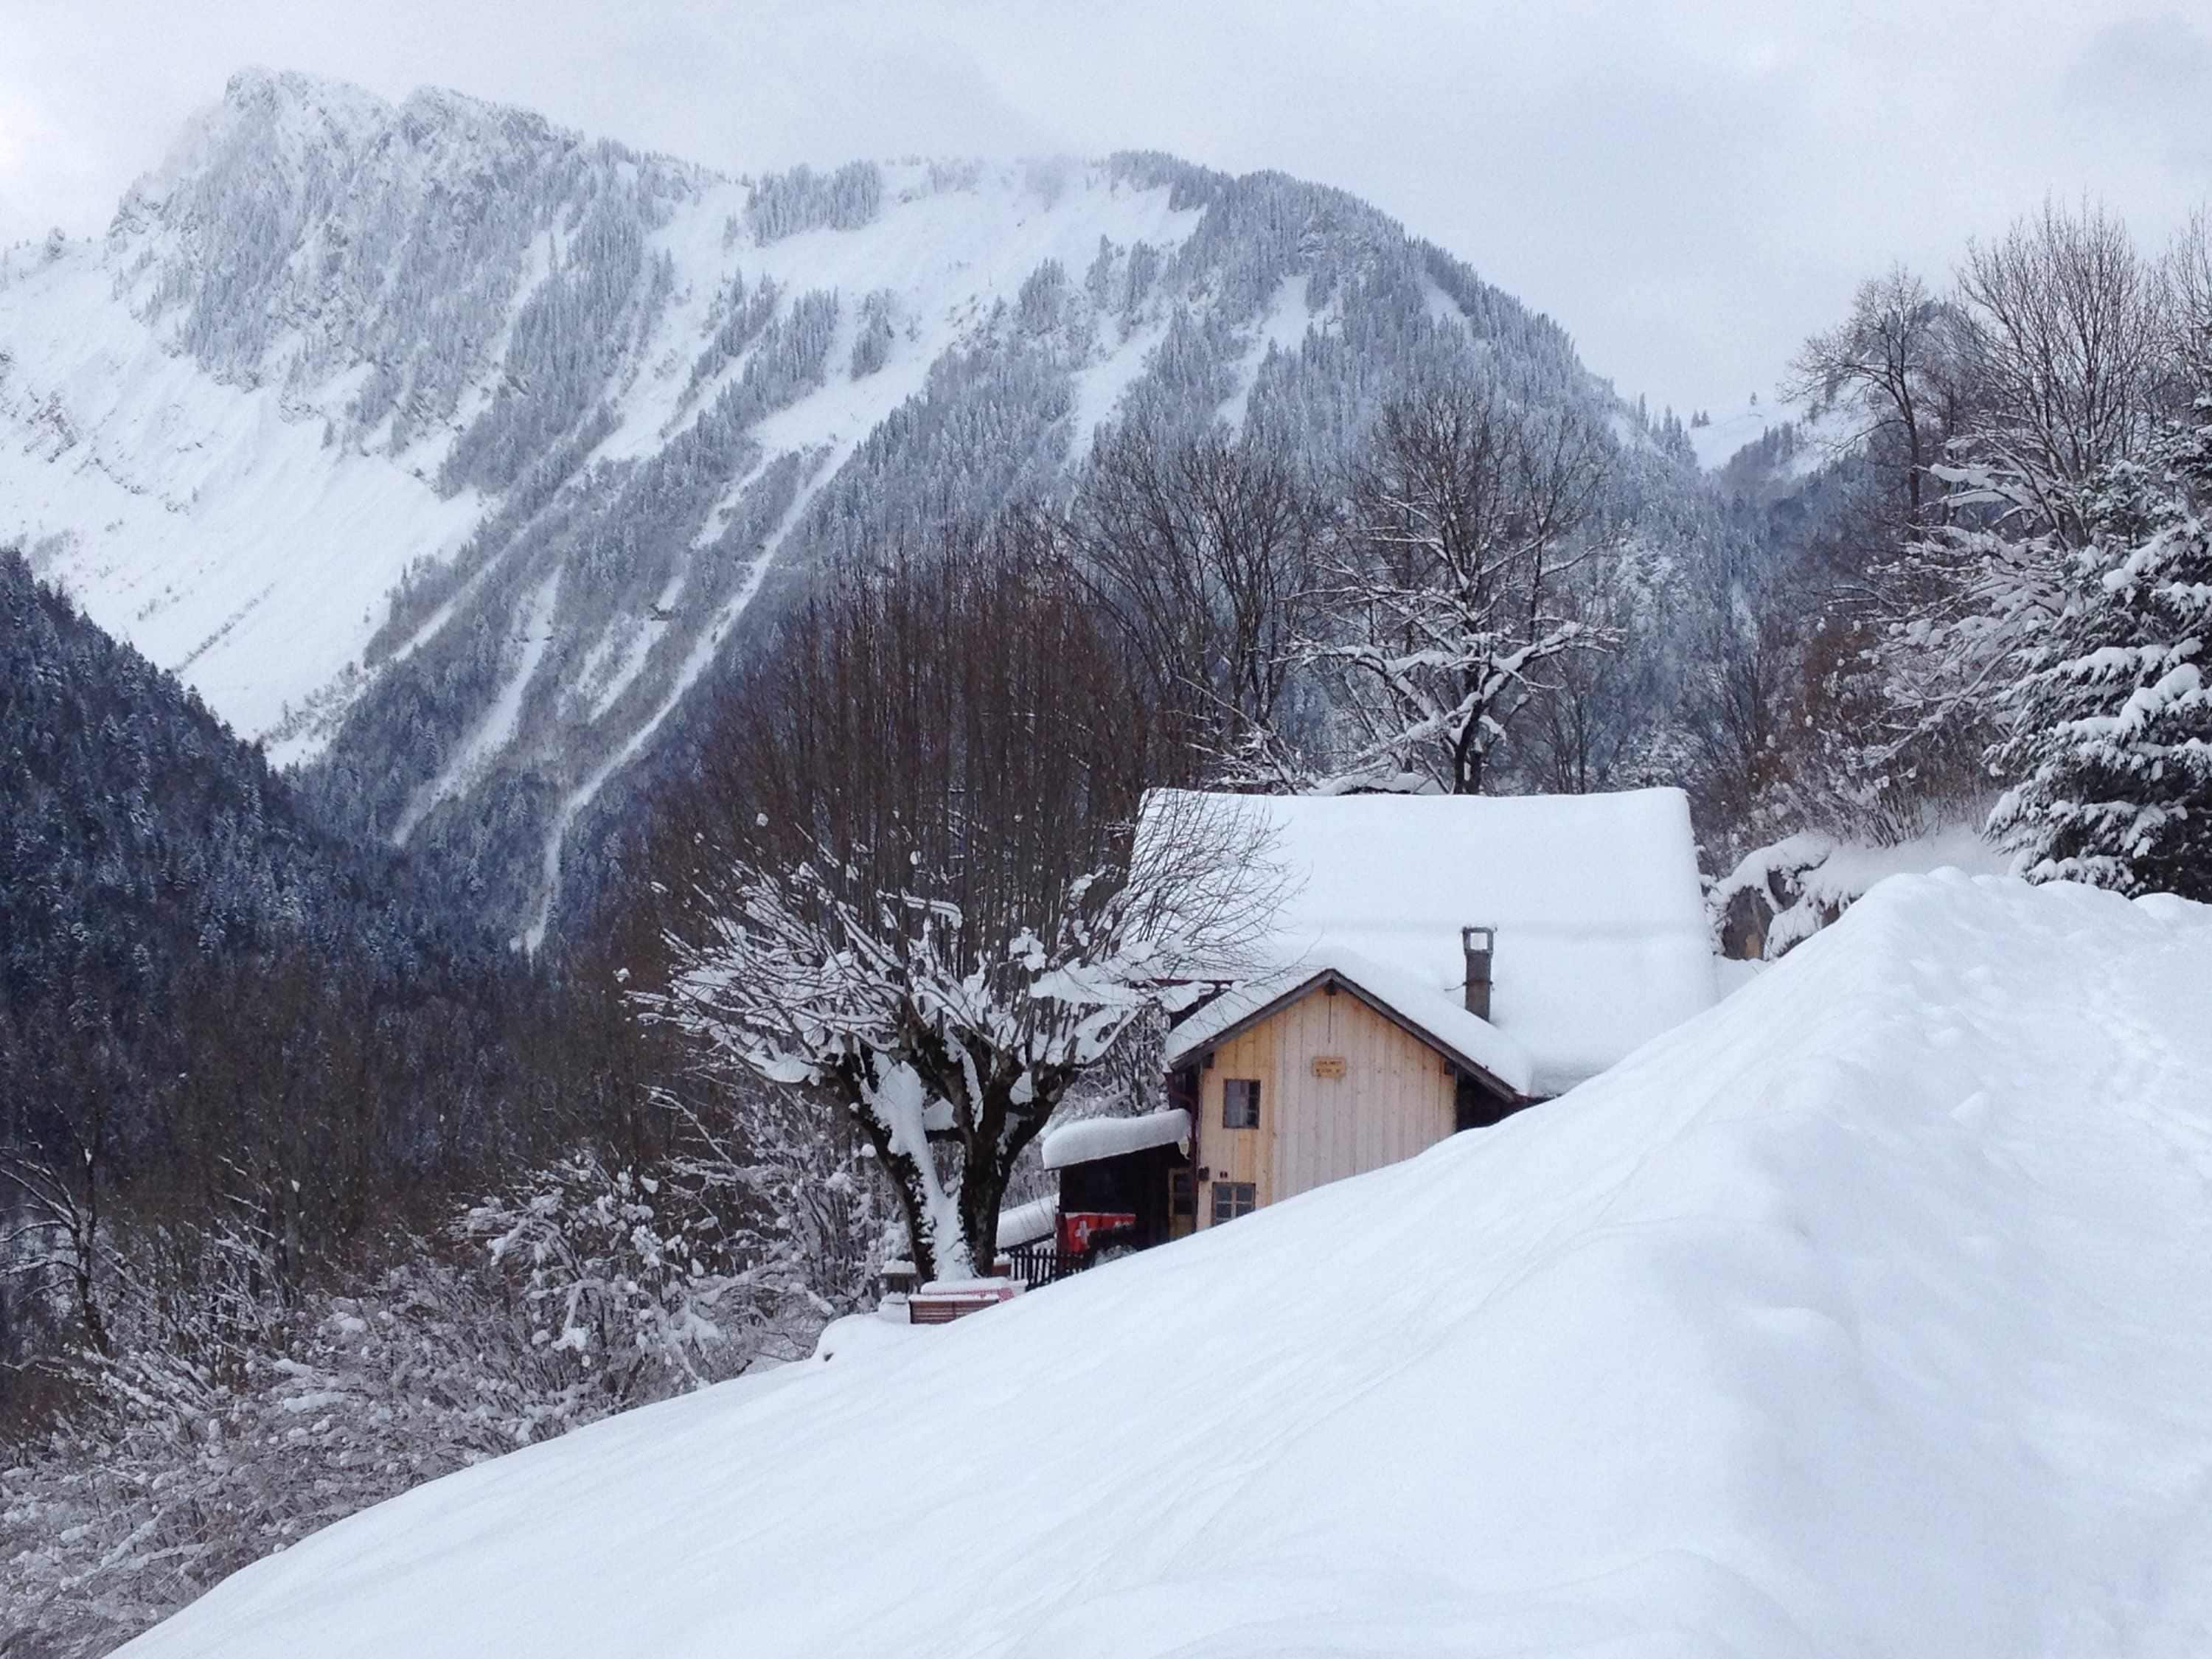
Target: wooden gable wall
[[1395, 1098]]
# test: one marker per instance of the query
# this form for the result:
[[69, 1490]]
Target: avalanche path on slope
[[1865, 1315]]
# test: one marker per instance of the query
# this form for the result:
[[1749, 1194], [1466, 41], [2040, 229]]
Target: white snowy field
[[1867, 1314]]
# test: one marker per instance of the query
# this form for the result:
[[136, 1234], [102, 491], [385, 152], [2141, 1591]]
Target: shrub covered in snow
[[214, 1432]]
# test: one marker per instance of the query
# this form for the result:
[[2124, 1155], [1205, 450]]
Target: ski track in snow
[[1863, 1314]]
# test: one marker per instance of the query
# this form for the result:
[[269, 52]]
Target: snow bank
[[1444, 1020], [1110, 1137], [1865, 1315], [1788, 890], [1602, 941]]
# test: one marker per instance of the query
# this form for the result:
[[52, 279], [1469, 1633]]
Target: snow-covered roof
[[1601, 943], [1025, 1224], [1109, 1137], [1444, 1021]]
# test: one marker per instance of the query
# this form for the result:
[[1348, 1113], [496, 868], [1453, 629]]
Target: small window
[[1183, 1194], [1240, 1102], [1232, 1198]]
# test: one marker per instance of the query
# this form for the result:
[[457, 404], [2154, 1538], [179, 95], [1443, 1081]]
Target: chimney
[[1479, 943]]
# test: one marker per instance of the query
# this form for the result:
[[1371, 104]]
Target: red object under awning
[[1079, 1227]]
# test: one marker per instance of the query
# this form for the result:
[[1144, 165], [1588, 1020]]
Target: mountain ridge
[[448, 450]]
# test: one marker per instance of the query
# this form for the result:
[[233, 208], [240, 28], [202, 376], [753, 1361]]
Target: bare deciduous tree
[[2187, 272], [1896, 364], [1466, 516], [1206, 558], [916, 890], [2068, 340], [2057, 355]]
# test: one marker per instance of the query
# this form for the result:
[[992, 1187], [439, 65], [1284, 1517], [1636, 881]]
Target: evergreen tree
[[2112, 735]]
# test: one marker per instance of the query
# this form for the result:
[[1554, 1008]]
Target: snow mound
[[1864, 1314], [1780, 894]]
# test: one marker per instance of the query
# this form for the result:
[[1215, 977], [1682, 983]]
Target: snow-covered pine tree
[[2112, 720]]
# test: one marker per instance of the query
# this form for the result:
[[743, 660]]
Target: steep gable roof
[[1473, 1044]]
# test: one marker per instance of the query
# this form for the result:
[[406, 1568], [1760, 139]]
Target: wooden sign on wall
[[1329, 1066]]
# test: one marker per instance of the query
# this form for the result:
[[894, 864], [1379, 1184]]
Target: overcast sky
[[1689, 188]]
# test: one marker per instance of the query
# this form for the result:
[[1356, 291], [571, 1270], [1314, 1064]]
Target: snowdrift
[[1866, 1314]]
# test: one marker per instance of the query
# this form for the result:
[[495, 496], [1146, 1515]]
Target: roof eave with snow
[[1095, 1137], [1470, 1042]]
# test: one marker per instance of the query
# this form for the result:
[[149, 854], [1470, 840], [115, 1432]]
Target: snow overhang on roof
[[1111, 1136], [1602, 941], [1469, 1041], [1026, 1223]]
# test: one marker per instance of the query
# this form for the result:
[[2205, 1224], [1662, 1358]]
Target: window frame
[[1240, 1083], [1242, 1198]]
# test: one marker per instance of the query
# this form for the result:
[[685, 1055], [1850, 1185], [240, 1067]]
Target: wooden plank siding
[[1396, 1099]]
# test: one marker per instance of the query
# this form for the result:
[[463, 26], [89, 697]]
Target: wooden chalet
[[1441, 963]]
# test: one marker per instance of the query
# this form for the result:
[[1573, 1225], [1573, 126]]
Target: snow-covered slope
[[1717, 438], [1813, 439], [1865, 1315], [451, 448]]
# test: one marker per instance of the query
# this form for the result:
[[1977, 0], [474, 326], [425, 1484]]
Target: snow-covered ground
[[1730, 429], [1726, 432], [1866, 1314]]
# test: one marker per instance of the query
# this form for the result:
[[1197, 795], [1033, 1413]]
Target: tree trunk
[[982, 1190]]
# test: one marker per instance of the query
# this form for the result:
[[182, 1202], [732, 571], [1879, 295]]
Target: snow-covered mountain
[[449, 451], [1862, 1314]]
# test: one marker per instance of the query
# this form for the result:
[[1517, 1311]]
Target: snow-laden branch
[[1468, 521], [952, 1036]]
